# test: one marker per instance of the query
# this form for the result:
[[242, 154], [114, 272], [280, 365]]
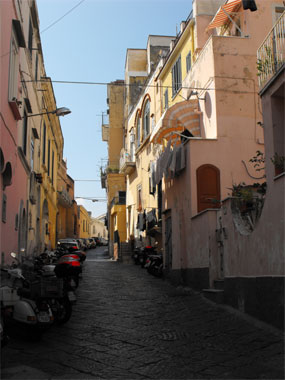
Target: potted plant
[[279, 163]]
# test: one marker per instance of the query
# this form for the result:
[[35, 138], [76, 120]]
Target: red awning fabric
[[221, 18], [181, 116]]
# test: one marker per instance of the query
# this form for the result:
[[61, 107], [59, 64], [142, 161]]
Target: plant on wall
[[279, 163], [258, 160]]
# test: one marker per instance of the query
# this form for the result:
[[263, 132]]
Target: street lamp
[[92, 199], [62, 111]]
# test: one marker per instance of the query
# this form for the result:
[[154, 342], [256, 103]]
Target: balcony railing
[[271, 54], [127, 162], [119, 200]]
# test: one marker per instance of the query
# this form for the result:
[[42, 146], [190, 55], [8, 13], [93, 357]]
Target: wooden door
[[208, 187]]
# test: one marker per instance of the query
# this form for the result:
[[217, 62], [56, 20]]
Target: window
[[52, 167], [36, 67], [4, 207], [166, 99], [44, 143], [188, 62], [132, 146], [13, 69], [176, 77], [146, 119], [30, 42], [32, 153], [93, 230], [48, 158], [25, 132], [138, 132]]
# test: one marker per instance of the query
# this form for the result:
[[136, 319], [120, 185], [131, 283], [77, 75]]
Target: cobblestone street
[[127, 324]]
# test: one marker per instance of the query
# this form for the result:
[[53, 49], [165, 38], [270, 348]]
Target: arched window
[[146, 119], [138, 132]]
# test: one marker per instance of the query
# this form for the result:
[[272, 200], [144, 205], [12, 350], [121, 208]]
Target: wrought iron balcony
[[127, 162], [271, 54]]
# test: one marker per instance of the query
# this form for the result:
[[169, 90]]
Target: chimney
[[182, 26]]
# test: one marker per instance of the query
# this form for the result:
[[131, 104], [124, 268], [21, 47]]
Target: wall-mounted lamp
[[58, 112]]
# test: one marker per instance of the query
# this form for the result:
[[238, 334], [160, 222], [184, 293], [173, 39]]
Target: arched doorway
[[208, 187]]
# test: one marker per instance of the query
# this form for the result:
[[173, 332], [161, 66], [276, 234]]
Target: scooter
[[154, 265], [23, 313], [144, 253]]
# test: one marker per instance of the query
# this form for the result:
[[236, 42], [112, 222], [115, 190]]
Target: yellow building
[[51, 156], [142, 112], [66, 226], [112, 180], [84, 222]]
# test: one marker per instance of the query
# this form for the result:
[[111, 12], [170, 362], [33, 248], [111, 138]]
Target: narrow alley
[[127, 324]]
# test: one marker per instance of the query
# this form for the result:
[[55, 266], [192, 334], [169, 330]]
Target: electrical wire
[[52, 24], [141, 85], [59, 19]]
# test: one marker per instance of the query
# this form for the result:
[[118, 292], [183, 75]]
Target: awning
[[221, 16], [176, 119]]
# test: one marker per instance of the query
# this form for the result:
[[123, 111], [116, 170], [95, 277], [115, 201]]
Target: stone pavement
[[127, 324]]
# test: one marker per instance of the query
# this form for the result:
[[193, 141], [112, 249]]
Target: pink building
[[13, 194], [221, 232]]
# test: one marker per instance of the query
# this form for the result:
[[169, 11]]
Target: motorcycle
[[144, 253], [154, 265], [30, 316]]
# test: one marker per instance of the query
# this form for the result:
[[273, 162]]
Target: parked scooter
[[55, 291], [144, 253], [154, 265], [34, 317]]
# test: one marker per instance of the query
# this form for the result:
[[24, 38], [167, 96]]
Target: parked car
[[72, 246], [87, 242], [92, 243], [103, 241], [83, 244], [97, 240]]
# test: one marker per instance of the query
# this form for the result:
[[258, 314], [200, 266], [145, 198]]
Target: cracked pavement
[[127, 324]]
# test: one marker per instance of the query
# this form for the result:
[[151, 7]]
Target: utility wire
[[55, 22], [141, 85], [51, 25]]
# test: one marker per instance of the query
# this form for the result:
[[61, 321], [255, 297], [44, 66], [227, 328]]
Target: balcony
[[105, 128], [127, 162], [271, 54], [119, 200], [64, 198]]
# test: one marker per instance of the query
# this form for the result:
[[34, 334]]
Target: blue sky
[[89, 44]]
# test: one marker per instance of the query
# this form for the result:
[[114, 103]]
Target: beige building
[[98, 228], [84, 222]]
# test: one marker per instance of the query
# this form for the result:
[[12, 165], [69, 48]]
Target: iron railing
[[271, 54]]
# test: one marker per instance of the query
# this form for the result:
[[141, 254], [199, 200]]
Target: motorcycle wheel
[[64, 311]]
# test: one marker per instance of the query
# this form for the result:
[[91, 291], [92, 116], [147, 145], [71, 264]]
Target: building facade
[[31, 137]]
